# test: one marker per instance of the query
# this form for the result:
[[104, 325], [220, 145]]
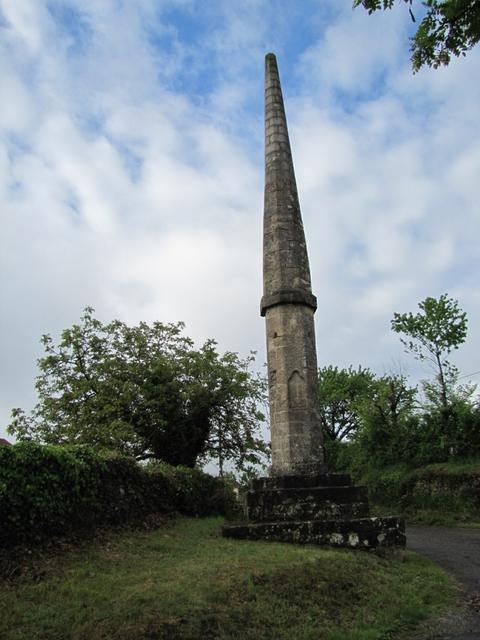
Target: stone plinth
[[325, 509]]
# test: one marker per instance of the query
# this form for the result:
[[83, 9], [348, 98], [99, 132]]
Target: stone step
[[307, 510], [357, 533], [271, 498], [293, 482]]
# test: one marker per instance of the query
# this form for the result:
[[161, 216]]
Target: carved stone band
[[288, 296]]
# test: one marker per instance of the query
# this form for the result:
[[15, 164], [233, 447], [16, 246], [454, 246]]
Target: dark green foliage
[[451, 432], [465, 440], [417, 439], [449, 416], [342, 395], [56, 490], [375, 417], [447, 27], [394, 428], [145, 391], [190, 491], [389, 424], [437, 493], [396, 432]]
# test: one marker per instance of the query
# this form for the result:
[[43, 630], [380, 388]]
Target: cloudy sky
[[131, 173]]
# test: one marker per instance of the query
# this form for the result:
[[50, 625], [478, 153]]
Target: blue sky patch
[[73, 22]]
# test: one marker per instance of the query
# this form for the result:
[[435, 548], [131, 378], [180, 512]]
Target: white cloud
[[386, 181], [123, 189], [29, 20], [354, 53]]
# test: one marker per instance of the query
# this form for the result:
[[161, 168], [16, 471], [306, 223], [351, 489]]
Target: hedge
[[451, 489], [48, 491]]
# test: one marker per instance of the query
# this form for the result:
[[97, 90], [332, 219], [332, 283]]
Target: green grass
[[184, 582], [454, 467]]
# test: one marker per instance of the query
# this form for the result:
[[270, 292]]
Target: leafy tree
[[465, 437], [393, 399], [237, 397], [449, 27], [388, 422], [455, 428], [145, 391], [342, 393], [381, 413], [431, 335]]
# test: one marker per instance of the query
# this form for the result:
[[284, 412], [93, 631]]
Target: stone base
[[324, 509], [301, 482], [359, 533]]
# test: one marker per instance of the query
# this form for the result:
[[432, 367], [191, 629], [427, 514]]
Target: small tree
[[147, 392], [431, 335]]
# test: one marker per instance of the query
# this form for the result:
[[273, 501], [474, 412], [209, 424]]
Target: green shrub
[[390, 486], [448, 489], [56, 490], [194, 493]]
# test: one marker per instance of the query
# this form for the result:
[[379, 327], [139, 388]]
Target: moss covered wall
[[452, 491], [50, 491]]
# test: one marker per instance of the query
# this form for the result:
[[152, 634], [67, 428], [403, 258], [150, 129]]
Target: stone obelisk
[[287, 303], [299, 502]]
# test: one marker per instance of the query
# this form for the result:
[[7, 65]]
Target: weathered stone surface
[[291, 482], [288, 303], [299, 502], [293, 391], [325, 509], [287, 296], [359, 533], [284, 511], [307, 503]]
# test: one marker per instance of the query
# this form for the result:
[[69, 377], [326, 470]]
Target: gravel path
[[458, 552]]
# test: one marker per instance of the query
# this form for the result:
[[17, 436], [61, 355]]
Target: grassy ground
[[454, 467], [183, 581]]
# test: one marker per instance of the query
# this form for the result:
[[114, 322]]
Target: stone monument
[[299, 501]]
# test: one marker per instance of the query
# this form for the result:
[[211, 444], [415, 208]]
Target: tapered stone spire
[[287, 303], [299, 502]]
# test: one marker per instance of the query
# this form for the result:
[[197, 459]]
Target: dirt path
[[458, 552]]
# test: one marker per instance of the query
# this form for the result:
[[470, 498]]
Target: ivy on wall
[[51, 490]]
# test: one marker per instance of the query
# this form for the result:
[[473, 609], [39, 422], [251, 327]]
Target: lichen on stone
[[353, 539]]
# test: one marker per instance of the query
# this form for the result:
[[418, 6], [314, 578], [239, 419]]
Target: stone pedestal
[[322, 509]]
